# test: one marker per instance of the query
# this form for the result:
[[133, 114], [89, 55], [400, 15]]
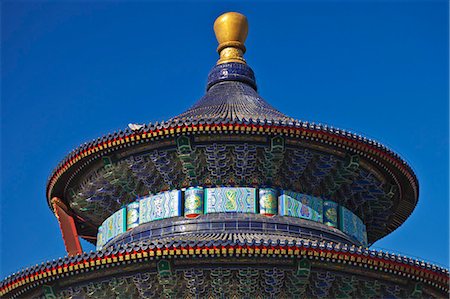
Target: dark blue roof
[[231, 95]]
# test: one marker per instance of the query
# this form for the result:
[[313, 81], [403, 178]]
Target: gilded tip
[[231, 30]]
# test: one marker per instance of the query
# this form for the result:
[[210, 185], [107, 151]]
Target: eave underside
[[373, 191]]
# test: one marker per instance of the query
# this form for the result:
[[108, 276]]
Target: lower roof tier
[[231, 267], [374, 184]]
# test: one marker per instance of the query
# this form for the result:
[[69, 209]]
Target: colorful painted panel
[[132, 215], [100, 241], [237, 200], [352, 225], [300, 205], [160, 206], [193, 202], [114, 225], [268, 202], [330, 213]]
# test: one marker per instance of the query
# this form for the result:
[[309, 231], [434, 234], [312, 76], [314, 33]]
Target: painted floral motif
[[331, 214], [193, 204], [268, 201]]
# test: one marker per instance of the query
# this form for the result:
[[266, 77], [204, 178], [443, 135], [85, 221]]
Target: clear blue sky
[[73, 71]]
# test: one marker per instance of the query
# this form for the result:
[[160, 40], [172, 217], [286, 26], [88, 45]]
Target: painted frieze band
[[196, 201]]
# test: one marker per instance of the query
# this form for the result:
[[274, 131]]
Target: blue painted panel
[[100, 240], [352, 225], [114, 225], [227, 199], [300, 205], [160, 206]]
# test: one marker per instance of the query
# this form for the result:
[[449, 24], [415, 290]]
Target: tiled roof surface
[[357, 259], [231, 95]]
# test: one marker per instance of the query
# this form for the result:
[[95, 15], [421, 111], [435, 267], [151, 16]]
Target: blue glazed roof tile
[[231, 95]]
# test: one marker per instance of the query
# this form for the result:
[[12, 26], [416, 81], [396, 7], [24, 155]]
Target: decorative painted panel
[[227, 199], [100, 239], [199, 200], [268, 202], [160, 206], [193, 202], [330, 213], [114, 225], [352, 225], [300, 205], [132, 215]]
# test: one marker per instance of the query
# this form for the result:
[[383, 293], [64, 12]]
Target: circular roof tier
[[230, 267], [233, 137]]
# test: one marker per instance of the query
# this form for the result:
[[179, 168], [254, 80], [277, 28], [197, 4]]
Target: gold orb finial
[[231, 30]]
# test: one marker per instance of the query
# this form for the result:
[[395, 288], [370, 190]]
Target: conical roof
[[232, 95]]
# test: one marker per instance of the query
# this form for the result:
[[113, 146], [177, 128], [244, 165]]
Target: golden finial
[[231, 30]]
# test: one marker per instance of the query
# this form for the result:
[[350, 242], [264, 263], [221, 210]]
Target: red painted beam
[[67, 226]]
